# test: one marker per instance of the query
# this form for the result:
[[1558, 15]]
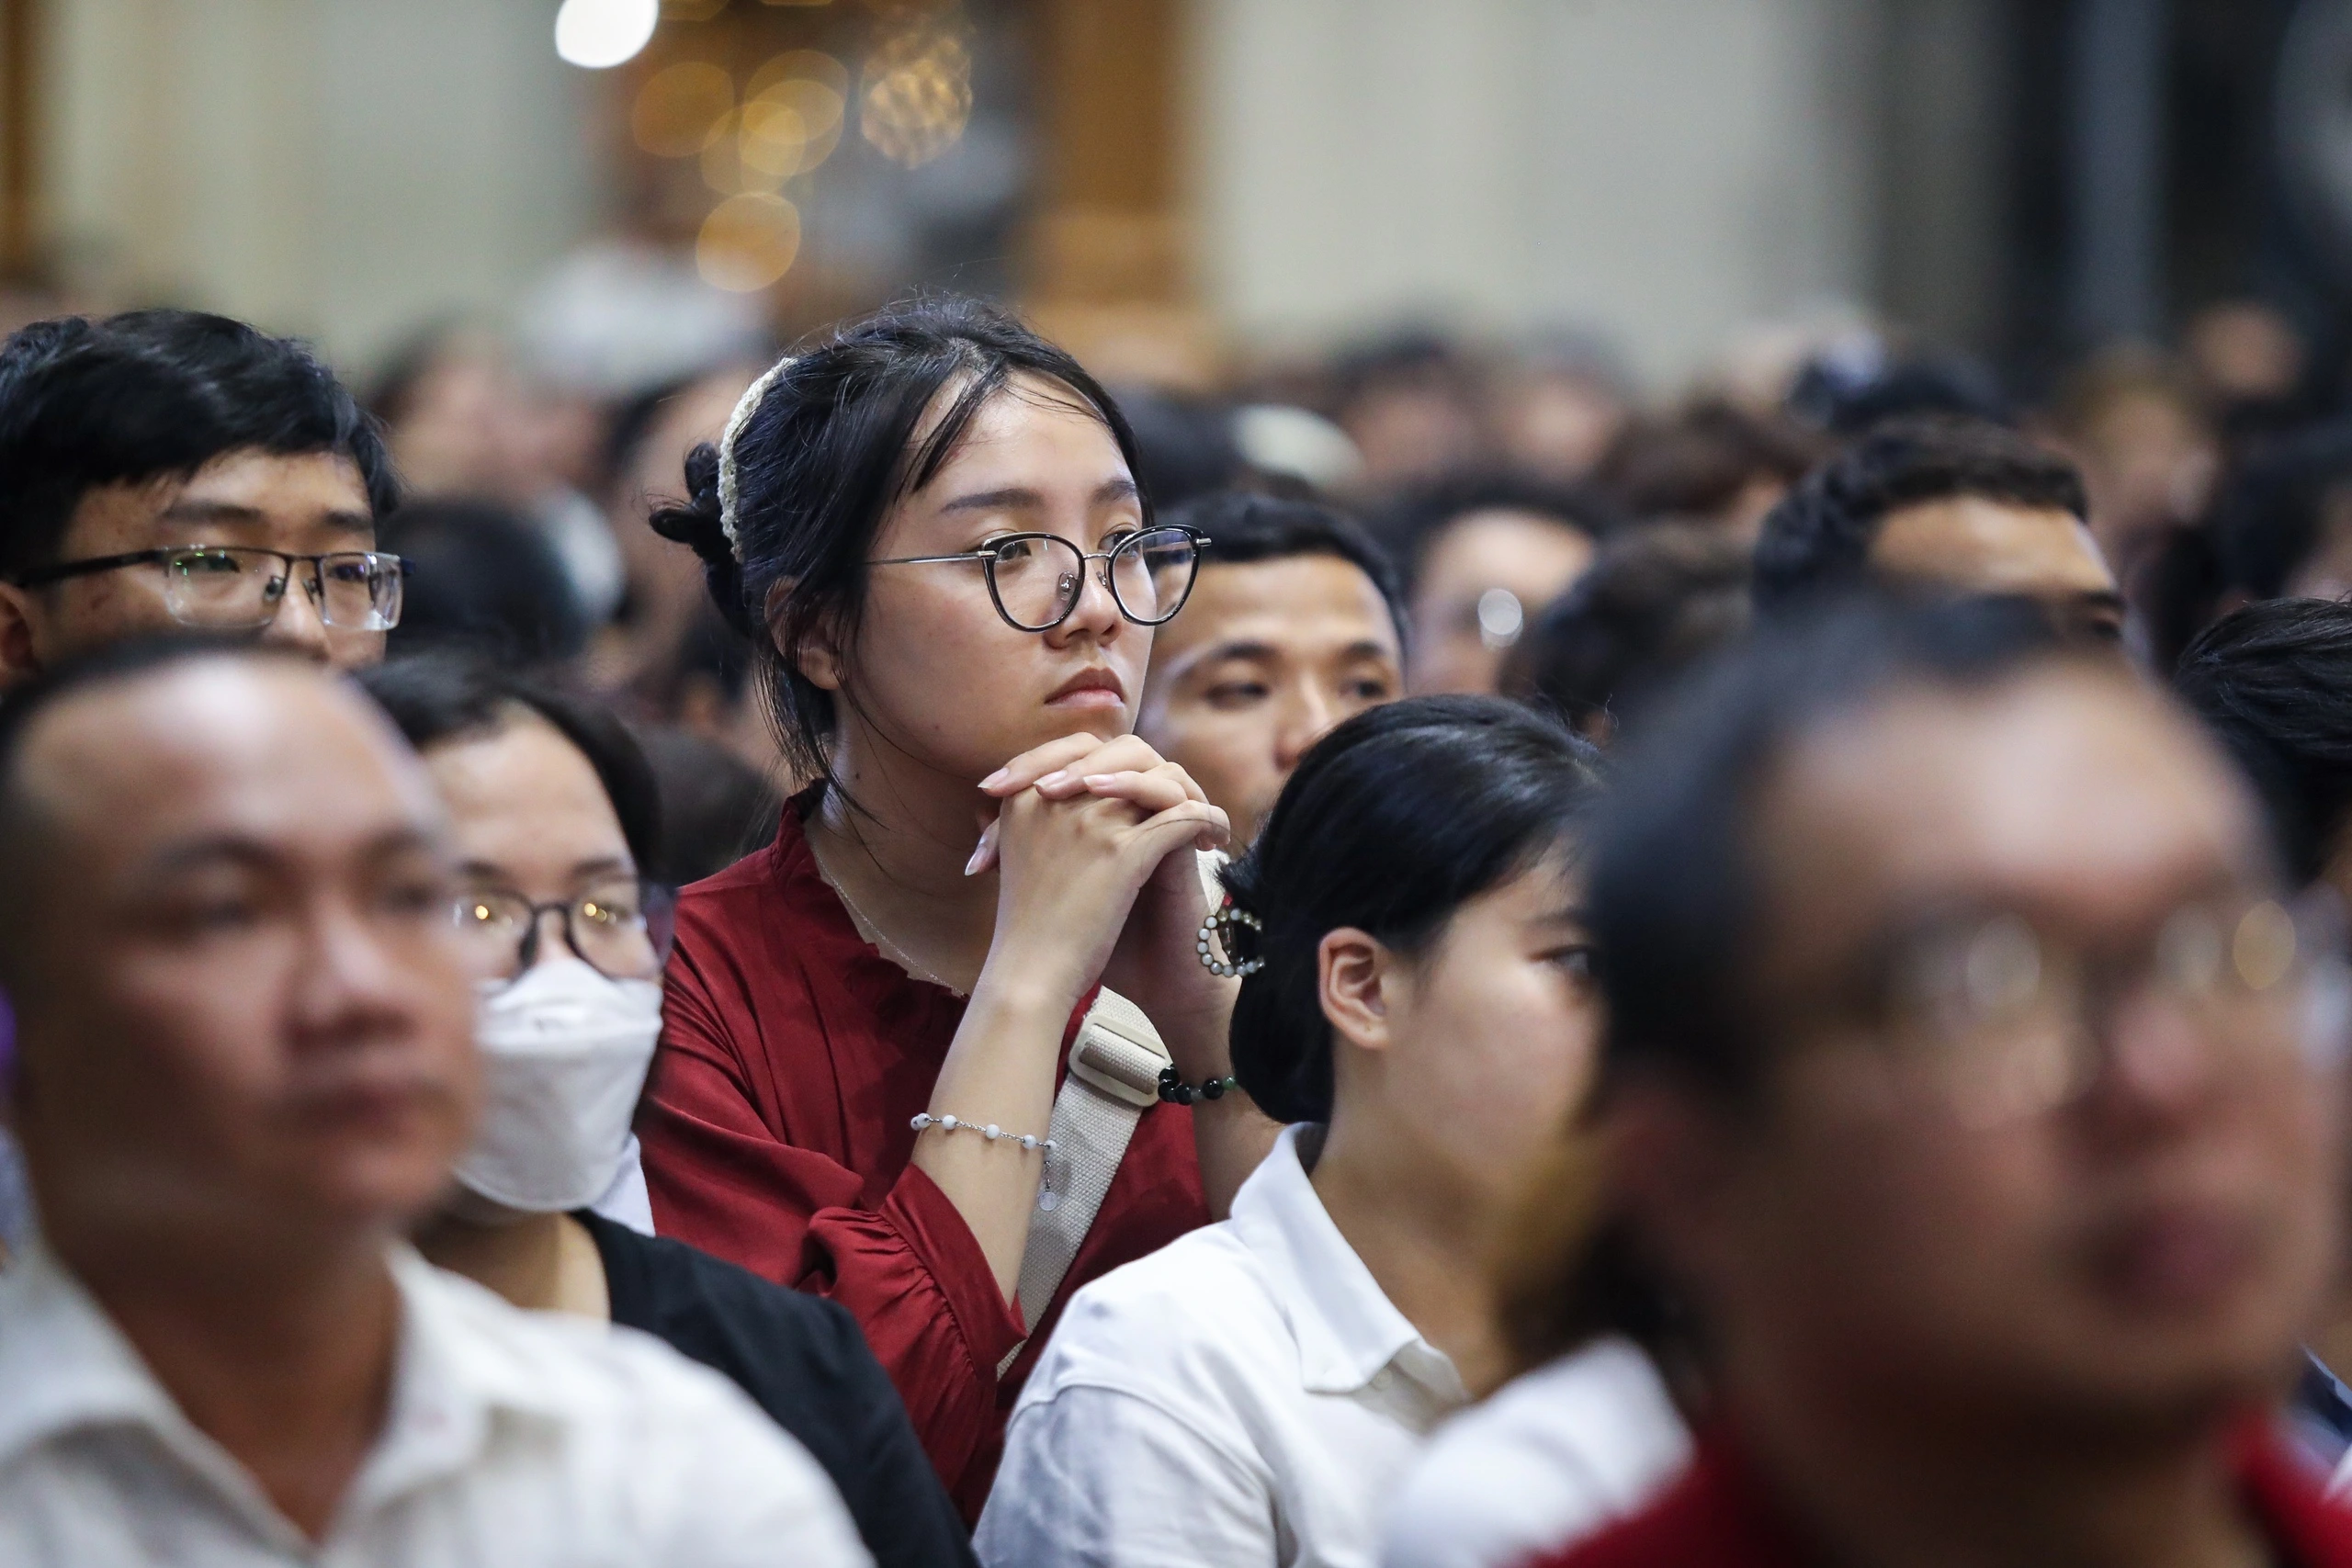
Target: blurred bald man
[[245, 1065]]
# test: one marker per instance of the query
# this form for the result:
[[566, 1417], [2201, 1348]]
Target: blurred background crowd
[[1583, 267]]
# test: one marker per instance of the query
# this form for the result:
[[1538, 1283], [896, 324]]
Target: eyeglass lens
[[615, 927], [1038, 577], [233, 588]]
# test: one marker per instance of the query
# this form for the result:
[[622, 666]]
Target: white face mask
[[564, 1054]]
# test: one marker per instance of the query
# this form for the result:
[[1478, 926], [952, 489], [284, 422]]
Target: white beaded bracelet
[[992, 1131]]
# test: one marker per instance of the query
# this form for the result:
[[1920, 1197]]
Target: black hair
[[1244, 528], [1184, 446], [1391, 823], [716, 807], [1416, 523], [436, 698], [1818, 539], [1672, 893], [1697, 462], [480, 576], [157, 394], [1848, 400], [1653, 603], [827, 454], [2274, 682], [2275, 509]]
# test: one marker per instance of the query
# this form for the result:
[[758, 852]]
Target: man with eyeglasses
[[246, 1064], [170, 469], [1972, 1085]]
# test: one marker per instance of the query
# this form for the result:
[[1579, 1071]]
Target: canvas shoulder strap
[[1114, 1067]]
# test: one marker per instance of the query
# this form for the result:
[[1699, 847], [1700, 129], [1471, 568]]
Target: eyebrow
[[238, 848], [1021, 498], [600, 866], [340, 518]]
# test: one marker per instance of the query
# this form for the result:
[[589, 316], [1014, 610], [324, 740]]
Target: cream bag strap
[[1114, 1067]]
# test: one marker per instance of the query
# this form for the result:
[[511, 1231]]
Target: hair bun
[[697, 524]]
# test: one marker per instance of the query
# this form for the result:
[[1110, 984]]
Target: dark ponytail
[[826, 454], [1392, 822]]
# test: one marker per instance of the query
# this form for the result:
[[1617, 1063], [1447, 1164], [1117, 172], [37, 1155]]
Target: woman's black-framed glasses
[[239, 587], [1036, 579], [621, 926]]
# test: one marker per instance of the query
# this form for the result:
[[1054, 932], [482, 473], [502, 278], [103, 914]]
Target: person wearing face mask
[[553, 808]]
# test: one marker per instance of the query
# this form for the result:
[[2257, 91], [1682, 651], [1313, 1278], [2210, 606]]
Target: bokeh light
[[916, 94], [747, 242], [598, 34], [678, 109]]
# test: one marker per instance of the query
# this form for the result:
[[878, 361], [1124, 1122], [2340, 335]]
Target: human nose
[[1307, 718], [1095, 616], [299, 623], [351, 985], [2157, 1061]]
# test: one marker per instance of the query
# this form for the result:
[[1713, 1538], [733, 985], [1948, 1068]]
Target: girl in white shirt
[[1416, 1002]]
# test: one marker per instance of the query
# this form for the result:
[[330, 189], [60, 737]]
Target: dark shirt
[[802, 1360]]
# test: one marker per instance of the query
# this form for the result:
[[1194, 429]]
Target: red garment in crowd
[[777, 1135], [1720, 1515]]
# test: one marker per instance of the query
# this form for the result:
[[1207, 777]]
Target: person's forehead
[[1983, 545], [1302, 605], [2071, 790], [1501, 545], [1028, 417], [269, 752]]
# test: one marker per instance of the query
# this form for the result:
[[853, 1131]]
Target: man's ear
[[816, 654], [20, 618], [1674, 1163], [1355, 974]]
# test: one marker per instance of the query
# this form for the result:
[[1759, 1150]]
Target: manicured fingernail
[[973, 866], [996, 778], [1053, 778]]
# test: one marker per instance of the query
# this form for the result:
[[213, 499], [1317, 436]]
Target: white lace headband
[[745, 407]]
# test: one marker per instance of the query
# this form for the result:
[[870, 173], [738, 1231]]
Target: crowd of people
[[899, 956]]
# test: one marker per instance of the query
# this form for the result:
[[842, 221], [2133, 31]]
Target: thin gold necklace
[[872, 932]]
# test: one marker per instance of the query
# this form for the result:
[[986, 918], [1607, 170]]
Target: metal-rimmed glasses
[[239, 587], [2008, 1022], [619, 926], [1036, 579]]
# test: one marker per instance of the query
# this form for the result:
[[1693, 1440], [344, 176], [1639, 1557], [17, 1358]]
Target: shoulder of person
[[1193, 1314], [709, 1302], [711, 1478]]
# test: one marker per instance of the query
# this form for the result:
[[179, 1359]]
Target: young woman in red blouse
[[929, 526]]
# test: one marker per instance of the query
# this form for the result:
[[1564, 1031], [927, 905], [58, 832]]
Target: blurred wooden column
[[19, 140], [1110, 273]]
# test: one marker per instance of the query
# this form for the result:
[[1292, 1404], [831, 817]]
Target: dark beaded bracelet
[[1176, 1091]]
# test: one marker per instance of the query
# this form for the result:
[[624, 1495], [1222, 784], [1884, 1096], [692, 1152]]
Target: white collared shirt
[[513, 1440], [1246, 1396], [1552, 1457]]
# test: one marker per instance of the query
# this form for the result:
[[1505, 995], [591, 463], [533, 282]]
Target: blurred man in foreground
[[1942, 505], [167, 468], [245, 1065], [1976, 1092], [1296, 622]]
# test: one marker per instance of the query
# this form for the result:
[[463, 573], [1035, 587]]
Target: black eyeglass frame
[[658, 909], [987, 554], [60, 572]]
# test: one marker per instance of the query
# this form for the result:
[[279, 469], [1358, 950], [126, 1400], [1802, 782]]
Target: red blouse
[[776, 1135], [1721, 1515]]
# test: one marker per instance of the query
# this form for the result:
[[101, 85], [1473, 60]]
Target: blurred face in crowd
[[934, 671], [1972, 544], [244, 1022], [1266, 657], [1479, 1046], [1481, 580], [528, 815], [2045, 1134], [310, 504]]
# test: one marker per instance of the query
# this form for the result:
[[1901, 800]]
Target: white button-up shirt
[[1246, 1396], [512, 1440], [1552, 1457]]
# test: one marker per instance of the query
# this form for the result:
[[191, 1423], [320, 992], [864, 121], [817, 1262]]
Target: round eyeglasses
[[620, 927], [1036, 579], [239, 588]]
